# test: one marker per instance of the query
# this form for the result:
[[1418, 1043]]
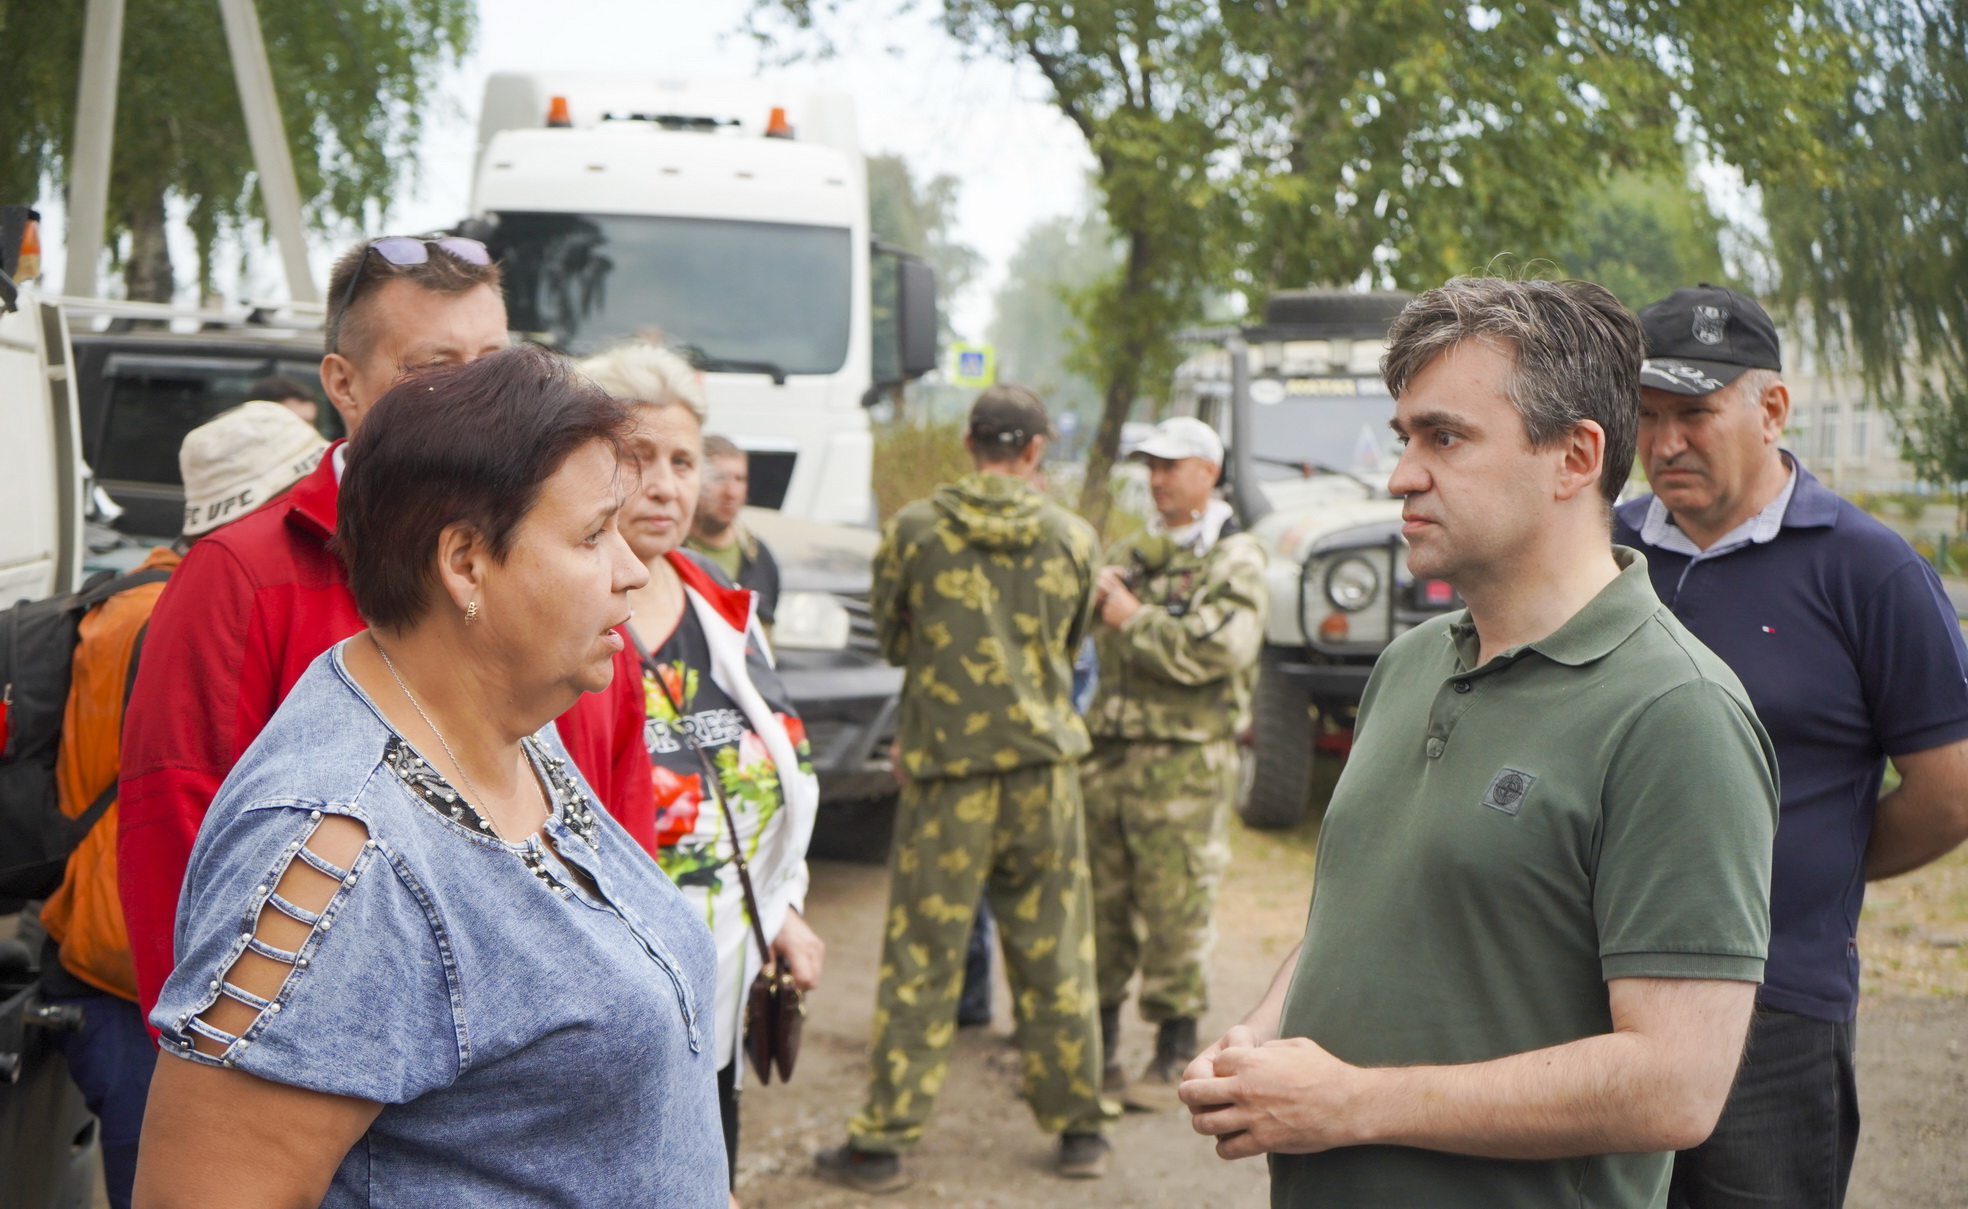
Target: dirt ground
[[982, 1148]]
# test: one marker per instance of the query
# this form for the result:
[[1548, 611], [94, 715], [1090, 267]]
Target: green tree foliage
[[1034, 328], [921, 218], [1643, 237], [354, 78], [1258, 144], [1934, 438], [1872, 244], [1142, 81], [1401, 143]]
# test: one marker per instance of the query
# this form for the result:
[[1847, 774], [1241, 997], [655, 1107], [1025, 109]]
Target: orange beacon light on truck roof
[[29, 266]]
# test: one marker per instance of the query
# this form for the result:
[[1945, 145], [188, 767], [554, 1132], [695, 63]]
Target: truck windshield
[[1330, 429], [751, 296]]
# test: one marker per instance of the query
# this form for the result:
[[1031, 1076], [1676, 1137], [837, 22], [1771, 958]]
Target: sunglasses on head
[[403, 250]]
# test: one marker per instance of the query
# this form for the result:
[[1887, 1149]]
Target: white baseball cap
[[242, 458], [1181, 437]]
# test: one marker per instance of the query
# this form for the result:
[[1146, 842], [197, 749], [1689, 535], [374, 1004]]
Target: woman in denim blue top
[[417, 964]]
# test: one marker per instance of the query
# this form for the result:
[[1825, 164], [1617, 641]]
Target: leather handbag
[[775, 1010]]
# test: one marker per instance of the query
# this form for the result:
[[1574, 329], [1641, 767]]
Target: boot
[[1113, 1080], [861, 1170], [1175, 1045], [1083, 1156]]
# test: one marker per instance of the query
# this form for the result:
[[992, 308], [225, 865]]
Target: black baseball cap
[[1701, 339], [1010, 415]]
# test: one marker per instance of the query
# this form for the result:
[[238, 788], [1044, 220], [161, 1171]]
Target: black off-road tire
[[1280, 779]]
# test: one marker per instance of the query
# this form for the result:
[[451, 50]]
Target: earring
[[471, 612]]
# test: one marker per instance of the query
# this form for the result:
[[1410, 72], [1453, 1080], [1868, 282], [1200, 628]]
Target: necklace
[[412, 699]]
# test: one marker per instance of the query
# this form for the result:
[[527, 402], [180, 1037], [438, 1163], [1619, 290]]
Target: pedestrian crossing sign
[[973, 364]]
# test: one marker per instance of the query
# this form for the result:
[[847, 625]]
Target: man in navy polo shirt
[[1851, 654]]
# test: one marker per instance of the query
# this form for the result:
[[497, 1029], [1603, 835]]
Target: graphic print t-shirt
[[696, 848]]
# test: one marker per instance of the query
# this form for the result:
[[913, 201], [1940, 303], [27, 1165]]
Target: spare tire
[[1334, 308], [1280, 781]]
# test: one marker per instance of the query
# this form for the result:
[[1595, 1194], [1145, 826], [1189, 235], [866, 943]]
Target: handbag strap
[[716, 786]]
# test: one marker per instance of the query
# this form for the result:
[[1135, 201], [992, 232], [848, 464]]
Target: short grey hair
[[1751, 383], [649, 374], [717, 445], [1577, 352]]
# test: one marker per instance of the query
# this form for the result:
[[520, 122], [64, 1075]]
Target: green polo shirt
[[1597, 804]]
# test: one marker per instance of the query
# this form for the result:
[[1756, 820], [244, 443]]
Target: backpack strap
[[99, 589], [87, 820]]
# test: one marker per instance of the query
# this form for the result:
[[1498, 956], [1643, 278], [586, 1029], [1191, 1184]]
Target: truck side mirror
[[903, 292], [916, 307]]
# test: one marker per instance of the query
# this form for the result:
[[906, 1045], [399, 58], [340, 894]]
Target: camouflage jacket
[[1183, 666], [982, 593]]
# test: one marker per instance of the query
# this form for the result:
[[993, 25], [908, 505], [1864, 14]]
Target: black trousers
[[1791, 1126]]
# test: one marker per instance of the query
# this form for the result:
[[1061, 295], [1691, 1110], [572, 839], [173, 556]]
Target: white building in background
[[1847, 442]]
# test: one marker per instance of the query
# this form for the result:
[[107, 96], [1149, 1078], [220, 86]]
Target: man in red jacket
[[254, 604]]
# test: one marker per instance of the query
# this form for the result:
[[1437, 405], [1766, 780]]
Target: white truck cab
[[41, 491], [727, 219]]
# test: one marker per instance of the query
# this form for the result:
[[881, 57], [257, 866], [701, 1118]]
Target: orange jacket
[[86, 914]]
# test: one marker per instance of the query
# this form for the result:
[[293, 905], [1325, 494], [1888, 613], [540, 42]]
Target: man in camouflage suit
[[1181, 620], [983, 593]]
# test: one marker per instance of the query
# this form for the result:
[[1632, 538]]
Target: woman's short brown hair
[[465, 444]]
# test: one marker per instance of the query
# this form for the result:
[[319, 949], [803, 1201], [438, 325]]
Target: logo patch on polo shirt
[[1507, 791]]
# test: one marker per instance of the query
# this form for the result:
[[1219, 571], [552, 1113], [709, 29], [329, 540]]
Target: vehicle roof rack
[[123, 313]]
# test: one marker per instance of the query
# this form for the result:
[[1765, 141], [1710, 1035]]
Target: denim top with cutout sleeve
[[535, 1037]]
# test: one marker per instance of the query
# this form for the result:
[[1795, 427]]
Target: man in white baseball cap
[[1181, 437], [242, 458], [1182, 612]]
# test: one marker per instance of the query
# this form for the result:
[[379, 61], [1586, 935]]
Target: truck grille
[[861, 624]]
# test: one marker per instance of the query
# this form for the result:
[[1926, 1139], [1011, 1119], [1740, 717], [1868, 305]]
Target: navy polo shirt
[[1850, 652]]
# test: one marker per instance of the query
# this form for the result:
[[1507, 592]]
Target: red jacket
[[249, 609]]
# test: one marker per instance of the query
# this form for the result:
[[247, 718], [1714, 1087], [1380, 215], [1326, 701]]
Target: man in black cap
[[1851, 655]]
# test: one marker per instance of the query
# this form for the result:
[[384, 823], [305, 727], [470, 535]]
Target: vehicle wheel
[[1280, 776]]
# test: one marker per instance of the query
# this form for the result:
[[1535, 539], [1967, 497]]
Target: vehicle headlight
[[810, 621], [1352, 584]]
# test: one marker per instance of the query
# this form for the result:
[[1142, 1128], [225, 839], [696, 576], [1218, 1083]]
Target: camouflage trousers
[[1020, 837], [1158, 838]]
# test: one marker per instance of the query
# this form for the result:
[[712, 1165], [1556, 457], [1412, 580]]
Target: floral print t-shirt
[[696, 846]]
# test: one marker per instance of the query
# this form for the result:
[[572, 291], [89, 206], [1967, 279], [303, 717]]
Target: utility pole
[[95, 131], [279, 189]]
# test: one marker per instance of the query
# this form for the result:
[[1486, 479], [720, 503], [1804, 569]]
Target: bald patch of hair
[[637, 371]]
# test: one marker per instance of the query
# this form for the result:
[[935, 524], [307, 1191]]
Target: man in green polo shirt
[[1542, 898]]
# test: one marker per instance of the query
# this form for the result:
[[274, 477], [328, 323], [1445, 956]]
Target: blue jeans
[[111, 1058], [1790, 1128]]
